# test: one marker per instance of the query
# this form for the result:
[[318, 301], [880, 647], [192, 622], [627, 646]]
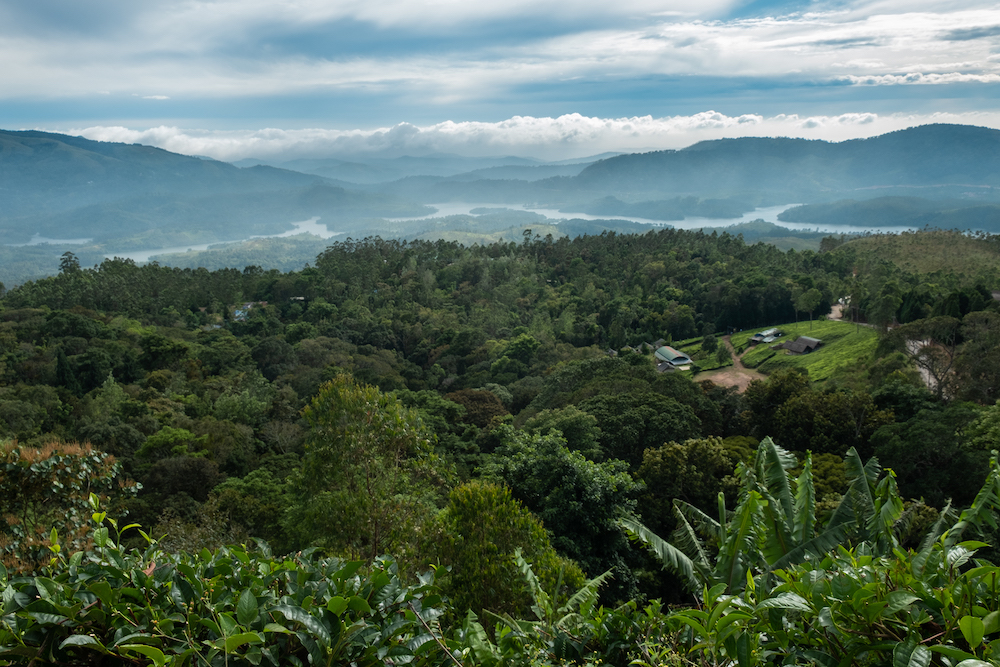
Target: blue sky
[[549, 79]]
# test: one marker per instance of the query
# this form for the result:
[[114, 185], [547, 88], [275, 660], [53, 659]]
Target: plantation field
[[844, 344]]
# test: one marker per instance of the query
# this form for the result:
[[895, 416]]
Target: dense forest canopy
[[456, 405]]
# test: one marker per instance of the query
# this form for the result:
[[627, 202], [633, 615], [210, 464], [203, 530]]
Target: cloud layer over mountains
[[568, 136]]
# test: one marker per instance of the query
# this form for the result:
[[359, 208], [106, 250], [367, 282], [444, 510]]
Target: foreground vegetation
[[850, 595], [475, 412]]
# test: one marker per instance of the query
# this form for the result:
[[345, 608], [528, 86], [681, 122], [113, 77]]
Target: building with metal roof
[[671, 356]]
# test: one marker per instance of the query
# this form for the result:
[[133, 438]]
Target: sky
[[548, 79]]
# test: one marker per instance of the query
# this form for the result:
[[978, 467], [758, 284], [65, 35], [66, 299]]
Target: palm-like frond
[[700, 521], [887, 509], [772, 464], [945, 520], [542, 603], [740, 548], [805, 504], [777, 536], [584, 599], [984, 509], [823, 543], [687, 539], [673, 559], [858, 503]]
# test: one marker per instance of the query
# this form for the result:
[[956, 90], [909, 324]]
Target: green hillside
[[927, 251], [845, 345]]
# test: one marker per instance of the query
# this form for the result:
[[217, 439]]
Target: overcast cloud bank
[[569, 136], [377, 62]]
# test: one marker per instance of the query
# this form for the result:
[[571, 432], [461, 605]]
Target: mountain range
[[125, 196]]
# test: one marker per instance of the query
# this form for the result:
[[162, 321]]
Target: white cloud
[[918, 78], [199, 50], [434, 15], [566, 136]]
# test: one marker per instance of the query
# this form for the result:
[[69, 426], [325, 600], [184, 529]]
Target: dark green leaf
[[85, 641], [246, 608]]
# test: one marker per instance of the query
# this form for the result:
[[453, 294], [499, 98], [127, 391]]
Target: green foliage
[[483, 527], [694, 471], [231, 606], [852, 607], [873, 604], [368, 481], [774, 523], [844, 346], [579, 428], [169, 441], [577, 631], [632, 423], [481, 406], [976, 365], [256, 502], [929, 454], [45, 491], [579, 501]]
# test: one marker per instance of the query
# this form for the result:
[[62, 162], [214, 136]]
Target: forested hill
[[452, 404], [929, 155], [41, 171], [127, 197]]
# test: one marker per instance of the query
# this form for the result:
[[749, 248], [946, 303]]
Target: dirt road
[[736, 375]]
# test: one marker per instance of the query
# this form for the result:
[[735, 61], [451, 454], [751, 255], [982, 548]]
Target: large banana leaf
[[772, 464], [804, 526], [700, 522], [695, 575], [858, 504], [984, 509], [741, 548], [770, 480]]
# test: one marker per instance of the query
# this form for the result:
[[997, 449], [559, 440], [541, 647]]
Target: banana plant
[[562, 631], [774, 523]]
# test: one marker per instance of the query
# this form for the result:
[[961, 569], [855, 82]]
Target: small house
[[803, 345]]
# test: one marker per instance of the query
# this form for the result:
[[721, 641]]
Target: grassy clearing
[[844, 346]]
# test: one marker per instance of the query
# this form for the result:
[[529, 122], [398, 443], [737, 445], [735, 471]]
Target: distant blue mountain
[[930, 156]]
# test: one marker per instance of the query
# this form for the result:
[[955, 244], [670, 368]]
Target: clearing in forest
[[736, 375], [844, 344]]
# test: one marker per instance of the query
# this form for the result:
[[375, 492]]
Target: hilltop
[[942, 156]]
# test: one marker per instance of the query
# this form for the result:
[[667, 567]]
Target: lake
[[310, 226]]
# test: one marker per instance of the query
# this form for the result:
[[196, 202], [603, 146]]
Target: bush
[[231, 606]]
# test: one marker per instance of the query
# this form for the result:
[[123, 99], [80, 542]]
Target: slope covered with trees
[[451, 405]]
